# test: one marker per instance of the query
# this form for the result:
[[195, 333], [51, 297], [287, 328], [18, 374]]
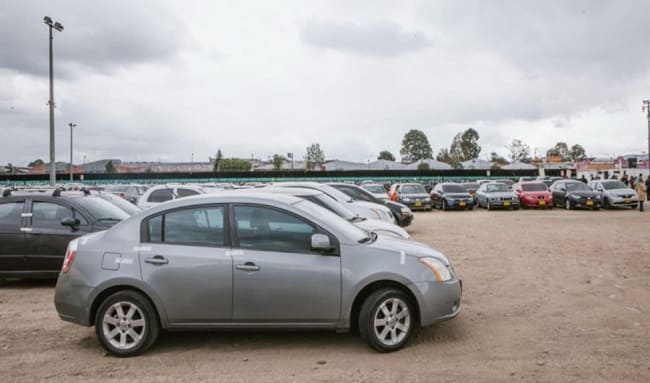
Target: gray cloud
[[379, 38], [100, 36]]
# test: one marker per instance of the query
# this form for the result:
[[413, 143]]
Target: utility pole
[[646, 108], [71, 125], [56, 25]]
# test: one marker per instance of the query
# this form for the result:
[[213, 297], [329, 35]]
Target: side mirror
[[321, 242], [72, 223]]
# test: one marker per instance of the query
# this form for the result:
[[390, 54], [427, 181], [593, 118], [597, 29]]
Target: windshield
[[492, 188], [332, 220], [101, 209], [413, 189], [120, 202], [453, 189], [610, 185], [377, 189], [116, 188], [532, 187], [470, 186], [576, 186], [330, 204]]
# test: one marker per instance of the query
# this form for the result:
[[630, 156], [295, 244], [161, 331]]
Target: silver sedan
[[250, 261]]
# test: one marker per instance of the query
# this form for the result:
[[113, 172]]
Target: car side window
[[262, 228], [10, 213], [49, 215], [186, 192], [161, 195], [202, 226]]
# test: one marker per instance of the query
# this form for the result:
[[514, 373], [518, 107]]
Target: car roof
[[239, 196], [303, 192]]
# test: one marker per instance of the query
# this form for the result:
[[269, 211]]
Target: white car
[[363, 209], [329, 203], [163, 193]]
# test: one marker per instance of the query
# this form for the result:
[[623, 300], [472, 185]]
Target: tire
[[606, 203], [567, 204], [487, 205], [139, 319], [443, 206], [385, 306]]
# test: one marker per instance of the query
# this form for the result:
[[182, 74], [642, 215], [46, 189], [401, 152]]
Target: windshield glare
[[101, 209], [413, 189], [120, 202], [576, 186], [331, 204], [496, 188], [534, 187], [332, 220], [610, 185], [453, 189]]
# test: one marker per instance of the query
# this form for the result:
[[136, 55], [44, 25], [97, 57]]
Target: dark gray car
[[250, 261]]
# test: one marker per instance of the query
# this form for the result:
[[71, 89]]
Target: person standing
[[641, 191]]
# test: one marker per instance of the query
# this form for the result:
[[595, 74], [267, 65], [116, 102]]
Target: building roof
[[476, 164], [433, 164], [518, 166]]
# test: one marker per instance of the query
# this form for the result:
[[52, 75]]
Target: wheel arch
[[108, 290], [374, 286]]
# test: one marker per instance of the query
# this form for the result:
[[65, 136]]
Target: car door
[[46, 238], [12, 236], [185, 258], [277, 278]]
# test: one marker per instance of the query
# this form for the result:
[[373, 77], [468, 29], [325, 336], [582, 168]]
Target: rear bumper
[[438, 301], [71, 301]]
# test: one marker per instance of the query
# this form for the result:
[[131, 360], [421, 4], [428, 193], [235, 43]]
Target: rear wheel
[[386, 320], [487, 205], [567, 204], [126, 324], [606, 203], [444, 206]]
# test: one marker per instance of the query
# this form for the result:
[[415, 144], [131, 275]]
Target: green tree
[[110, 168], [423, 166], [465, 145], [386, 155], [234, 165], [314, 157], [577, 153], [277, 161], [37, 162], [561, 149], [415, 146], [518, 150], [217, 160], [446, 156]]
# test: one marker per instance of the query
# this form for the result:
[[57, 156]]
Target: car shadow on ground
[[12, 283]]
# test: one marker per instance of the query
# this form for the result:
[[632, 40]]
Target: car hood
[[458, 195], [535, 193], [620, 191], [381, 227], [370, 210], [501, 194], [409, 247], [583, 193]]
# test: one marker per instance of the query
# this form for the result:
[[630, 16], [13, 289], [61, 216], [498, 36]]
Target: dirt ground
[[554, 296]]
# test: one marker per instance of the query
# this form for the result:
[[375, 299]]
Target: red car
[[533, 194]]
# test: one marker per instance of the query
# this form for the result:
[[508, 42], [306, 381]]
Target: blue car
[[448, 196]]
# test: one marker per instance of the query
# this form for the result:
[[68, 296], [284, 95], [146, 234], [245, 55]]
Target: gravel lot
[[549, 296]]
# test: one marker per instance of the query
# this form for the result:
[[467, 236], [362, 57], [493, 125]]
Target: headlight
[[405, 211], [377, 213], [439, 269], [406, 199], [575, 196], [427, 200], [597, 197]]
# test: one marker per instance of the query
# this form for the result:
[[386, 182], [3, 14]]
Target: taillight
[[70, 254]]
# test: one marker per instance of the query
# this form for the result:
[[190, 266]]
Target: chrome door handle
[[157, 260], [248, 266]]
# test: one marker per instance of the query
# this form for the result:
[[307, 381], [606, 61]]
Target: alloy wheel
[[392, 321]]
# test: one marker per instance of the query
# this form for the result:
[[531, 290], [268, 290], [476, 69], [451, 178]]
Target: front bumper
[[461, 203], [539, 203], [404, 220], [504, 204], [438, 301], [589, 203], [620, 201]]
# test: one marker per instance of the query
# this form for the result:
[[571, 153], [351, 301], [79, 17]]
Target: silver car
[[615, 193], [250, 261], [492, 195]]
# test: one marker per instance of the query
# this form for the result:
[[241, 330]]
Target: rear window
[[161, 195], [186, 192], [374, 188], [101, 209]]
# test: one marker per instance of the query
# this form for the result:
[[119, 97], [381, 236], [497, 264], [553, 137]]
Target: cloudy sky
[[159, 80]]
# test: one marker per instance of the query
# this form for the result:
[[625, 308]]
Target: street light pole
[[646, 107], [56, 25], [71, 125]]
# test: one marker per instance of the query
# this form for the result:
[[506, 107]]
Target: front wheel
[[126, 324], [567, 204], [444, 206], [386, 320]]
